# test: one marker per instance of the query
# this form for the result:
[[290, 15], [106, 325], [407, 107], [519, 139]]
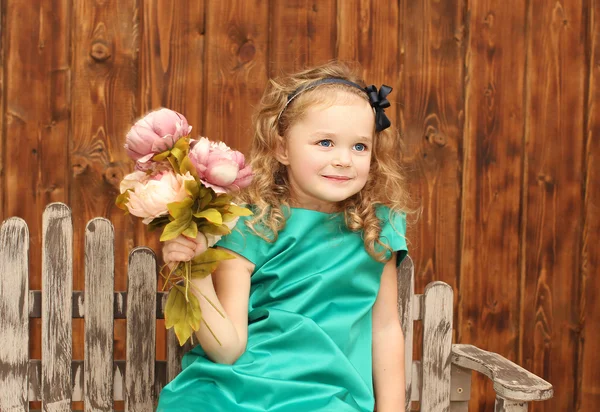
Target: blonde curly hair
[[269, 192]]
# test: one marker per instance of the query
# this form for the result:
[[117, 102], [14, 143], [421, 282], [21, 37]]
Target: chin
[[337, 199]]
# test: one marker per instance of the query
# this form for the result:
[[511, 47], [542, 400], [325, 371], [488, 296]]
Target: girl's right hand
[[183, 248]]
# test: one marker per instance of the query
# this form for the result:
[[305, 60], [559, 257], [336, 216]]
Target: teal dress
[[309, 323]]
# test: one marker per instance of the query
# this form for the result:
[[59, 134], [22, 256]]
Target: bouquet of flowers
[[183, 186]]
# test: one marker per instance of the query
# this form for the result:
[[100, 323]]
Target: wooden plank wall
[[498, 102]]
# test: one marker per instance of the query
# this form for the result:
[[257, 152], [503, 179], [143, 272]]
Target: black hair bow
[[379, 102]]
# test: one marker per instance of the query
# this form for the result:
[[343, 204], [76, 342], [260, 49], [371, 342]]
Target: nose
[[343, 158]]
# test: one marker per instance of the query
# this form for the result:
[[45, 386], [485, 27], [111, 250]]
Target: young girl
[[310, 300]]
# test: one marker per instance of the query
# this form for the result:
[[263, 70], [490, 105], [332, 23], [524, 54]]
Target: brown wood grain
[[3, 38], [305, 34], [14, 322], [437, 346], [433, 36], [237, 38], [105, 47], [491, 184], [99, 294], [172, 58], [510, 380], [505, 405], [141, 328], [36, 37], [367, 33], [550, 327], [588, 385], [406, 301], [57, 287], [37, 112], [171, 73]]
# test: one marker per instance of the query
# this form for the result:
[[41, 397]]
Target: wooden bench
[[440, 381]]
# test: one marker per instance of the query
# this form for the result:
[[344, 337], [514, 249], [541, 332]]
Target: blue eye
[[325, 143], [359, 147]]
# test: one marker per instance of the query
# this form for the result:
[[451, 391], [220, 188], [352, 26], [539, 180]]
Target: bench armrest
[[510, 380]]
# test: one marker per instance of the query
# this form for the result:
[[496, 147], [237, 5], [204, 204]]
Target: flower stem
[[208, 300], [188, 274], [211, 331], [168, 277]]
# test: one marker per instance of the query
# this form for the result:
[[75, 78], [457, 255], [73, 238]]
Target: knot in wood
[[545, 180], [433, 135], [440, 139], [100, 51], [113, 174], [246, 52], [50, 189], [79, 165]]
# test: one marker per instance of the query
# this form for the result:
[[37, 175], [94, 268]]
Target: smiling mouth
[[337, 178]]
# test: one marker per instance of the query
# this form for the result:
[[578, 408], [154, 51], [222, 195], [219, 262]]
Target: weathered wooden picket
[[440, 381]]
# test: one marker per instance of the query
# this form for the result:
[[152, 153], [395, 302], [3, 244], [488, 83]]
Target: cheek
[[363, 165], [302, 164], [314, 159]]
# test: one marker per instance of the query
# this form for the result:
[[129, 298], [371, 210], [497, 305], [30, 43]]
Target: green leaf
[[158, 222], [191, 231], [182, 215], [174, 164], [215, 229], [212, 255], [175, 308], [122, 200], [228, 217], [239, 211], [206, 263], [202, 270], [221, 200], [183, 208], [194, 312], [205, 190], [186, 165], [183, 144], [178, 154], [205, 196], [192, 188], [183, 315], [174, 229], [212, 215], [182, 330], [161, 156]]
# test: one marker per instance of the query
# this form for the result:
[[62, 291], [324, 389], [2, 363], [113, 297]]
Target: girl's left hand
[[183, 248]]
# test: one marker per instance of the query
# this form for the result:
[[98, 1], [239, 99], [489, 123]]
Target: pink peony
[[149, 195], [219, 167], [156, 132]]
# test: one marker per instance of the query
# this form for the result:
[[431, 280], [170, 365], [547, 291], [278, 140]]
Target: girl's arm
[[388, 344], [228, 288]]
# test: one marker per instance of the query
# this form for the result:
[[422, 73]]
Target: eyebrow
[[329, 135]]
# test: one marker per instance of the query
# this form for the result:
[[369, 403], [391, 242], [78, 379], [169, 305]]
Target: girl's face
[[328, 153]]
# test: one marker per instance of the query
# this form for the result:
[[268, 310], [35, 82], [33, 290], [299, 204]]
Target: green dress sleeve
[[393, 231], [245, 242]]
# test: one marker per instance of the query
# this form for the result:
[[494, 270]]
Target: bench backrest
[[57, 379]]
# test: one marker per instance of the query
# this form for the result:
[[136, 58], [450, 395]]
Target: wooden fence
[[57, 379]]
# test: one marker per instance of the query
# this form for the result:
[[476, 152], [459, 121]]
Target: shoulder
[[393, 230], [244, 241], [390, 219]]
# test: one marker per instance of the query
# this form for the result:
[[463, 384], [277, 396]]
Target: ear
[[281, 153]]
